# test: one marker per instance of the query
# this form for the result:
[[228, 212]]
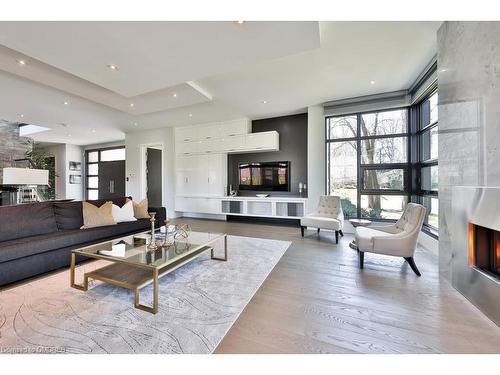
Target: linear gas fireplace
[[475, 235], [484, 249]]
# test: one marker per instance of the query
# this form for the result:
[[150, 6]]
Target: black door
[[153, 173], [111, 179]]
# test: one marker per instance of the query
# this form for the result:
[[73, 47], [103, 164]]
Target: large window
[[368, 162], [378, 161], [427, 158]]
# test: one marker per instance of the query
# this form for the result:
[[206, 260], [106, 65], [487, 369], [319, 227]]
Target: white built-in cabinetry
[[227, 137], [201, 175], [201, 170]]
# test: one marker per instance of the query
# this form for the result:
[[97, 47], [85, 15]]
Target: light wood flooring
[[316, 300]]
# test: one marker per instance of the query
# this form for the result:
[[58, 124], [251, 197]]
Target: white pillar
[[316, 157]]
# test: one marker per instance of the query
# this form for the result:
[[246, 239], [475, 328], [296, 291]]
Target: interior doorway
[[154, 175]]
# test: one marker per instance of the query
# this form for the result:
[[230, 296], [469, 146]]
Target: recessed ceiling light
[[372, 82], [239, 22], [131, 105], [443, 70], [69, 135], [264, 102], [174, 95], [113, 67], [66, 102], [136, 124], [93, 130], [190, 115], [22, 62], [21, 115]]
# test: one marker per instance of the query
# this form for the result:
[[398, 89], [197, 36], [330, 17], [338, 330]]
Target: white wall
[[74, 153], [59, 153], [315, 155], [64, 153], [134, 171]]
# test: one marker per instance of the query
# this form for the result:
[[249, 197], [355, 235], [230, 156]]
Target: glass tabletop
[[133, 249]]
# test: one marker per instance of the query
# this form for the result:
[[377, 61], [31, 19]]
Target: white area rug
[[198, 303]]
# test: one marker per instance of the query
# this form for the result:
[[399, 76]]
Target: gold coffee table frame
[[135, 276]]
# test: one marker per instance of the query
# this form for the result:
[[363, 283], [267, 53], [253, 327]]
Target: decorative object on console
[[328, 215], [166, 241], [232, 192], [398, 240], [141, 209], [123, 214], [182, 231], [94, 216], [152, 244]]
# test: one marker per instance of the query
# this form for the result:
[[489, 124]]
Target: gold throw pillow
[[141, 209], [94, 216]]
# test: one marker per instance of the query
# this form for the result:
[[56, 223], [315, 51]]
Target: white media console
[[201, 171]]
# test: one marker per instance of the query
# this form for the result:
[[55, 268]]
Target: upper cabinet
[[262, 141], [227, 137]]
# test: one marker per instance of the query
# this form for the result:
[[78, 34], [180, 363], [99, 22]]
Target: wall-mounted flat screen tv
[[265, 176]]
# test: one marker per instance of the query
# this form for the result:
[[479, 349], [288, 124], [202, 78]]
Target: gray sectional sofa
[[37, 238]]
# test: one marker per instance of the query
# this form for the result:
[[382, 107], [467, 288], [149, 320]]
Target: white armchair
[[328, 215], [398, 240]]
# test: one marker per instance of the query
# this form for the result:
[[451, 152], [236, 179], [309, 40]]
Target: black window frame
[[98, 162], [406, 192], [412, 189], [420, 129]]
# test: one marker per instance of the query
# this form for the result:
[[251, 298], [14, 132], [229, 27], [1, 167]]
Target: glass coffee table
[[136, 266]]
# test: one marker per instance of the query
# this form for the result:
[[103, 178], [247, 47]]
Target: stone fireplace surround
[[479, 206]]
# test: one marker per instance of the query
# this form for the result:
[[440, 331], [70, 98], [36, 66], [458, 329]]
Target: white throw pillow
[[125, 213]]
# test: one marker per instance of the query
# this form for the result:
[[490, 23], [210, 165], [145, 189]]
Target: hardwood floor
[[316, 300]]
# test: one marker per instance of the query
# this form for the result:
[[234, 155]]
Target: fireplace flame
[[471, 245]]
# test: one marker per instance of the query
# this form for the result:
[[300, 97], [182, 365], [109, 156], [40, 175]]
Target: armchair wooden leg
[[361, 259], [318, 230], [413, 266], [336, 236], [341, 233], [302, 230]]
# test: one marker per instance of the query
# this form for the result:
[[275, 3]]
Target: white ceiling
[[218, 71]]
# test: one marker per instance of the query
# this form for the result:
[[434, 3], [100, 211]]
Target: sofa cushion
[[68, 215], [94, 216], [321, 222], [26, 220], [123, 214], [27, 246], [141, 209]]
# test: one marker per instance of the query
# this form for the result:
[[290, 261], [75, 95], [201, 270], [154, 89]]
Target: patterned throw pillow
[[94, 216]]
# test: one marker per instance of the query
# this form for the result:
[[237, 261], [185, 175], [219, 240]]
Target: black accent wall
[[293, 148]]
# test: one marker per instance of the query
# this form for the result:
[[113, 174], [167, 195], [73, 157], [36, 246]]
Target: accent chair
[[327, 215], [398, 240]]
